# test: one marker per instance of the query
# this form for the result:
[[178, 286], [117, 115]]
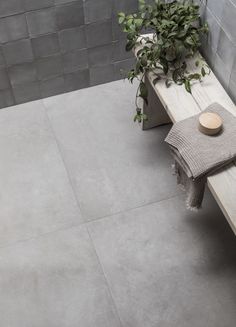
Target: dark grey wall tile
[[99, 33], [46, 45], [225, 50], [97, 10], [77, 80], [11, 7], [52, 86], [102, 55], [74, 60], [102, 74], [221, 72], [2, 60], [117, 32], [49, 67], [41, 21], [119, 50], [122, 67], [60, 2], [4, 79], [37, 4], [72, 39], [26, 92], [54, 46], [228, 20], [214, 29], [6, 98], [216, 7], [18, 52], [232, 90], [22, 73], [70, 15], [13, 28], [130, 6]]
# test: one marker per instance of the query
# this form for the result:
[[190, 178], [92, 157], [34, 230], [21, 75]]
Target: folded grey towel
[[197, 155]]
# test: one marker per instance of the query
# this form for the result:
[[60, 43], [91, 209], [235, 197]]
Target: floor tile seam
[[41, 235], [105, 277], [88, 222], [63, 162]]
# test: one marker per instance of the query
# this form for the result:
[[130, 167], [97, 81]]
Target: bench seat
[[179, 104]]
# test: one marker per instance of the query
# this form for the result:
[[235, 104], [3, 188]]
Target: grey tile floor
[[93, 230]]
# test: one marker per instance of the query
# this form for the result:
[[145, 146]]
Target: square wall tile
[[22, 73], [49, 67], [221, 72], [26, 92], [102, 74], [216, 7], [126, 6], [122, 67], [52, 86], [97, 10], [232, 90], [214, 29], [41, 21], [77, 80], [74, 60], [99, 33], [72, 39], [70, 15], [4, 79], [119, 50], [46, 45], [36, 4], [18, 52], [2, 60], [228, 20], [100, 55], [13, 28], [11, 7], [6, 98], [225, 50]]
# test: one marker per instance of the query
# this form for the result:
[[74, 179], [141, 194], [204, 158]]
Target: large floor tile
[[54, 281], [113, 165], [169, 267], [35, 194]]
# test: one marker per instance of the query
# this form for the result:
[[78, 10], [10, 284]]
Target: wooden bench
[[175, 104]]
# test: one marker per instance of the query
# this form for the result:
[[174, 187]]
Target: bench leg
[[154, 109]]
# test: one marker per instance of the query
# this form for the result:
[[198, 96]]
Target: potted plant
[[177, 29]]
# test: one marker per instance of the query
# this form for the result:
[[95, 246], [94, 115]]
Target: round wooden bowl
[[210, 123]]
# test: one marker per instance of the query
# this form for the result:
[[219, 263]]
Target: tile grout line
[[62, 159], [105, 277], [130, 209], [77, 225]]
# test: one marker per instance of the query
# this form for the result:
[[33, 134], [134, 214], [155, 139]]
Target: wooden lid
[[210, 123]]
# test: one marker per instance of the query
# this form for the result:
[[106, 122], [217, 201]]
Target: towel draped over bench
[[197, 155]]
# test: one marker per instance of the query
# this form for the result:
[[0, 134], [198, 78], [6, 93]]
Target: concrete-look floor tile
[[169, 267], [112, 163], [54, 281], [35, 194]]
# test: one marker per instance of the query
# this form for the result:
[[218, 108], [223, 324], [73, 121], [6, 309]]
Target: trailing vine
[[177, 30]]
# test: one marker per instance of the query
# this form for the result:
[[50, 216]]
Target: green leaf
[[143, 91], [129, 45], [155, 81], [203, 72], [187, 86]]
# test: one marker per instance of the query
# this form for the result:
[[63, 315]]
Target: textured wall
[[49, 47], [219, 48]]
